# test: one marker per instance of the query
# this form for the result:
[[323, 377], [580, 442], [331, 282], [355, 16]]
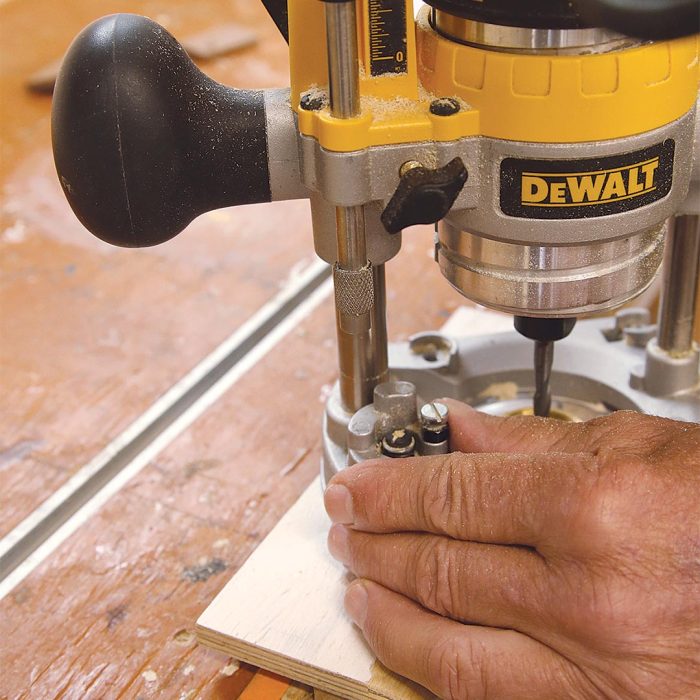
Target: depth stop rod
[[359, 290]]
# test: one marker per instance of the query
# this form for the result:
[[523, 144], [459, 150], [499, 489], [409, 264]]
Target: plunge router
[[555, 145]]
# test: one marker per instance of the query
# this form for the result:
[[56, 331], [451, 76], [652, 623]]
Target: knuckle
[[623, 418], [603, 428], [362, 554], [610, 503], [622, 421], [607, 617], [380, 505], [441, 497], [516, 433], [454, 668], [437, 581], [618, 546], [630, 431]]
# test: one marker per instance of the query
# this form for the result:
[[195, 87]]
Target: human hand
[[541, 559]]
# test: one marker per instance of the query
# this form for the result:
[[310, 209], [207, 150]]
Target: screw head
[[408, 166], [433, 420], [433, 413], [444, 106], [312, 100]]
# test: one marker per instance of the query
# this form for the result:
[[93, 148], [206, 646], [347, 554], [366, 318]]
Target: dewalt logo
[[574, 189], [564, 189]]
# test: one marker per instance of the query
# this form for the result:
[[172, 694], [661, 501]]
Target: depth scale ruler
[[387, 36]]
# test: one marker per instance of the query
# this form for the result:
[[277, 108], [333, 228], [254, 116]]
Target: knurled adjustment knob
[[424, 196]]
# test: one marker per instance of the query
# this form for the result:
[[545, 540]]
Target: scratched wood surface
[[114, 607], [91, 335]]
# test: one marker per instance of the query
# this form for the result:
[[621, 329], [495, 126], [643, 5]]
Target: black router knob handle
[[144, 142]]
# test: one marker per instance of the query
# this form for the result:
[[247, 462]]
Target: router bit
[[544, 331], [544, 354]]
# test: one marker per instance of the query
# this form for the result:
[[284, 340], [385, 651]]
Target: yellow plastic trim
[[564, 99], [531, 98], [386, 122]]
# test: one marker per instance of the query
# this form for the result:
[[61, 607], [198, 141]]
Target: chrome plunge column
[[359, 290], [677, 315], [673, 359]]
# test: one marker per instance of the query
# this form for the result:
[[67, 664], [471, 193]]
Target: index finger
[[474, 431], [491, 498]]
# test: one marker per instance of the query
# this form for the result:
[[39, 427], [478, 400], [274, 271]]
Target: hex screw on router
[[399, 443]]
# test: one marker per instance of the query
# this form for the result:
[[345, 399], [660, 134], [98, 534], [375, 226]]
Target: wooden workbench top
[[92, 334]]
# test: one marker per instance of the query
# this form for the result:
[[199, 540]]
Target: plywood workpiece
[[283, 611]]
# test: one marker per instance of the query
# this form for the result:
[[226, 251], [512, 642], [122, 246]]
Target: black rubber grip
[[540, 14], [144, 142], [647, 19]]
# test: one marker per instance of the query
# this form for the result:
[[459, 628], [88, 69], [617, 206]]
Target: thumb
[[473, 431]]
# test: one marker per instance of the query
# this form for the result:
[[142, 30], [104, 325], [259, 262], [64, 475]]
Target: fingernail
[[456, 405], [356, 602], [339, 543], [338, 502]]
